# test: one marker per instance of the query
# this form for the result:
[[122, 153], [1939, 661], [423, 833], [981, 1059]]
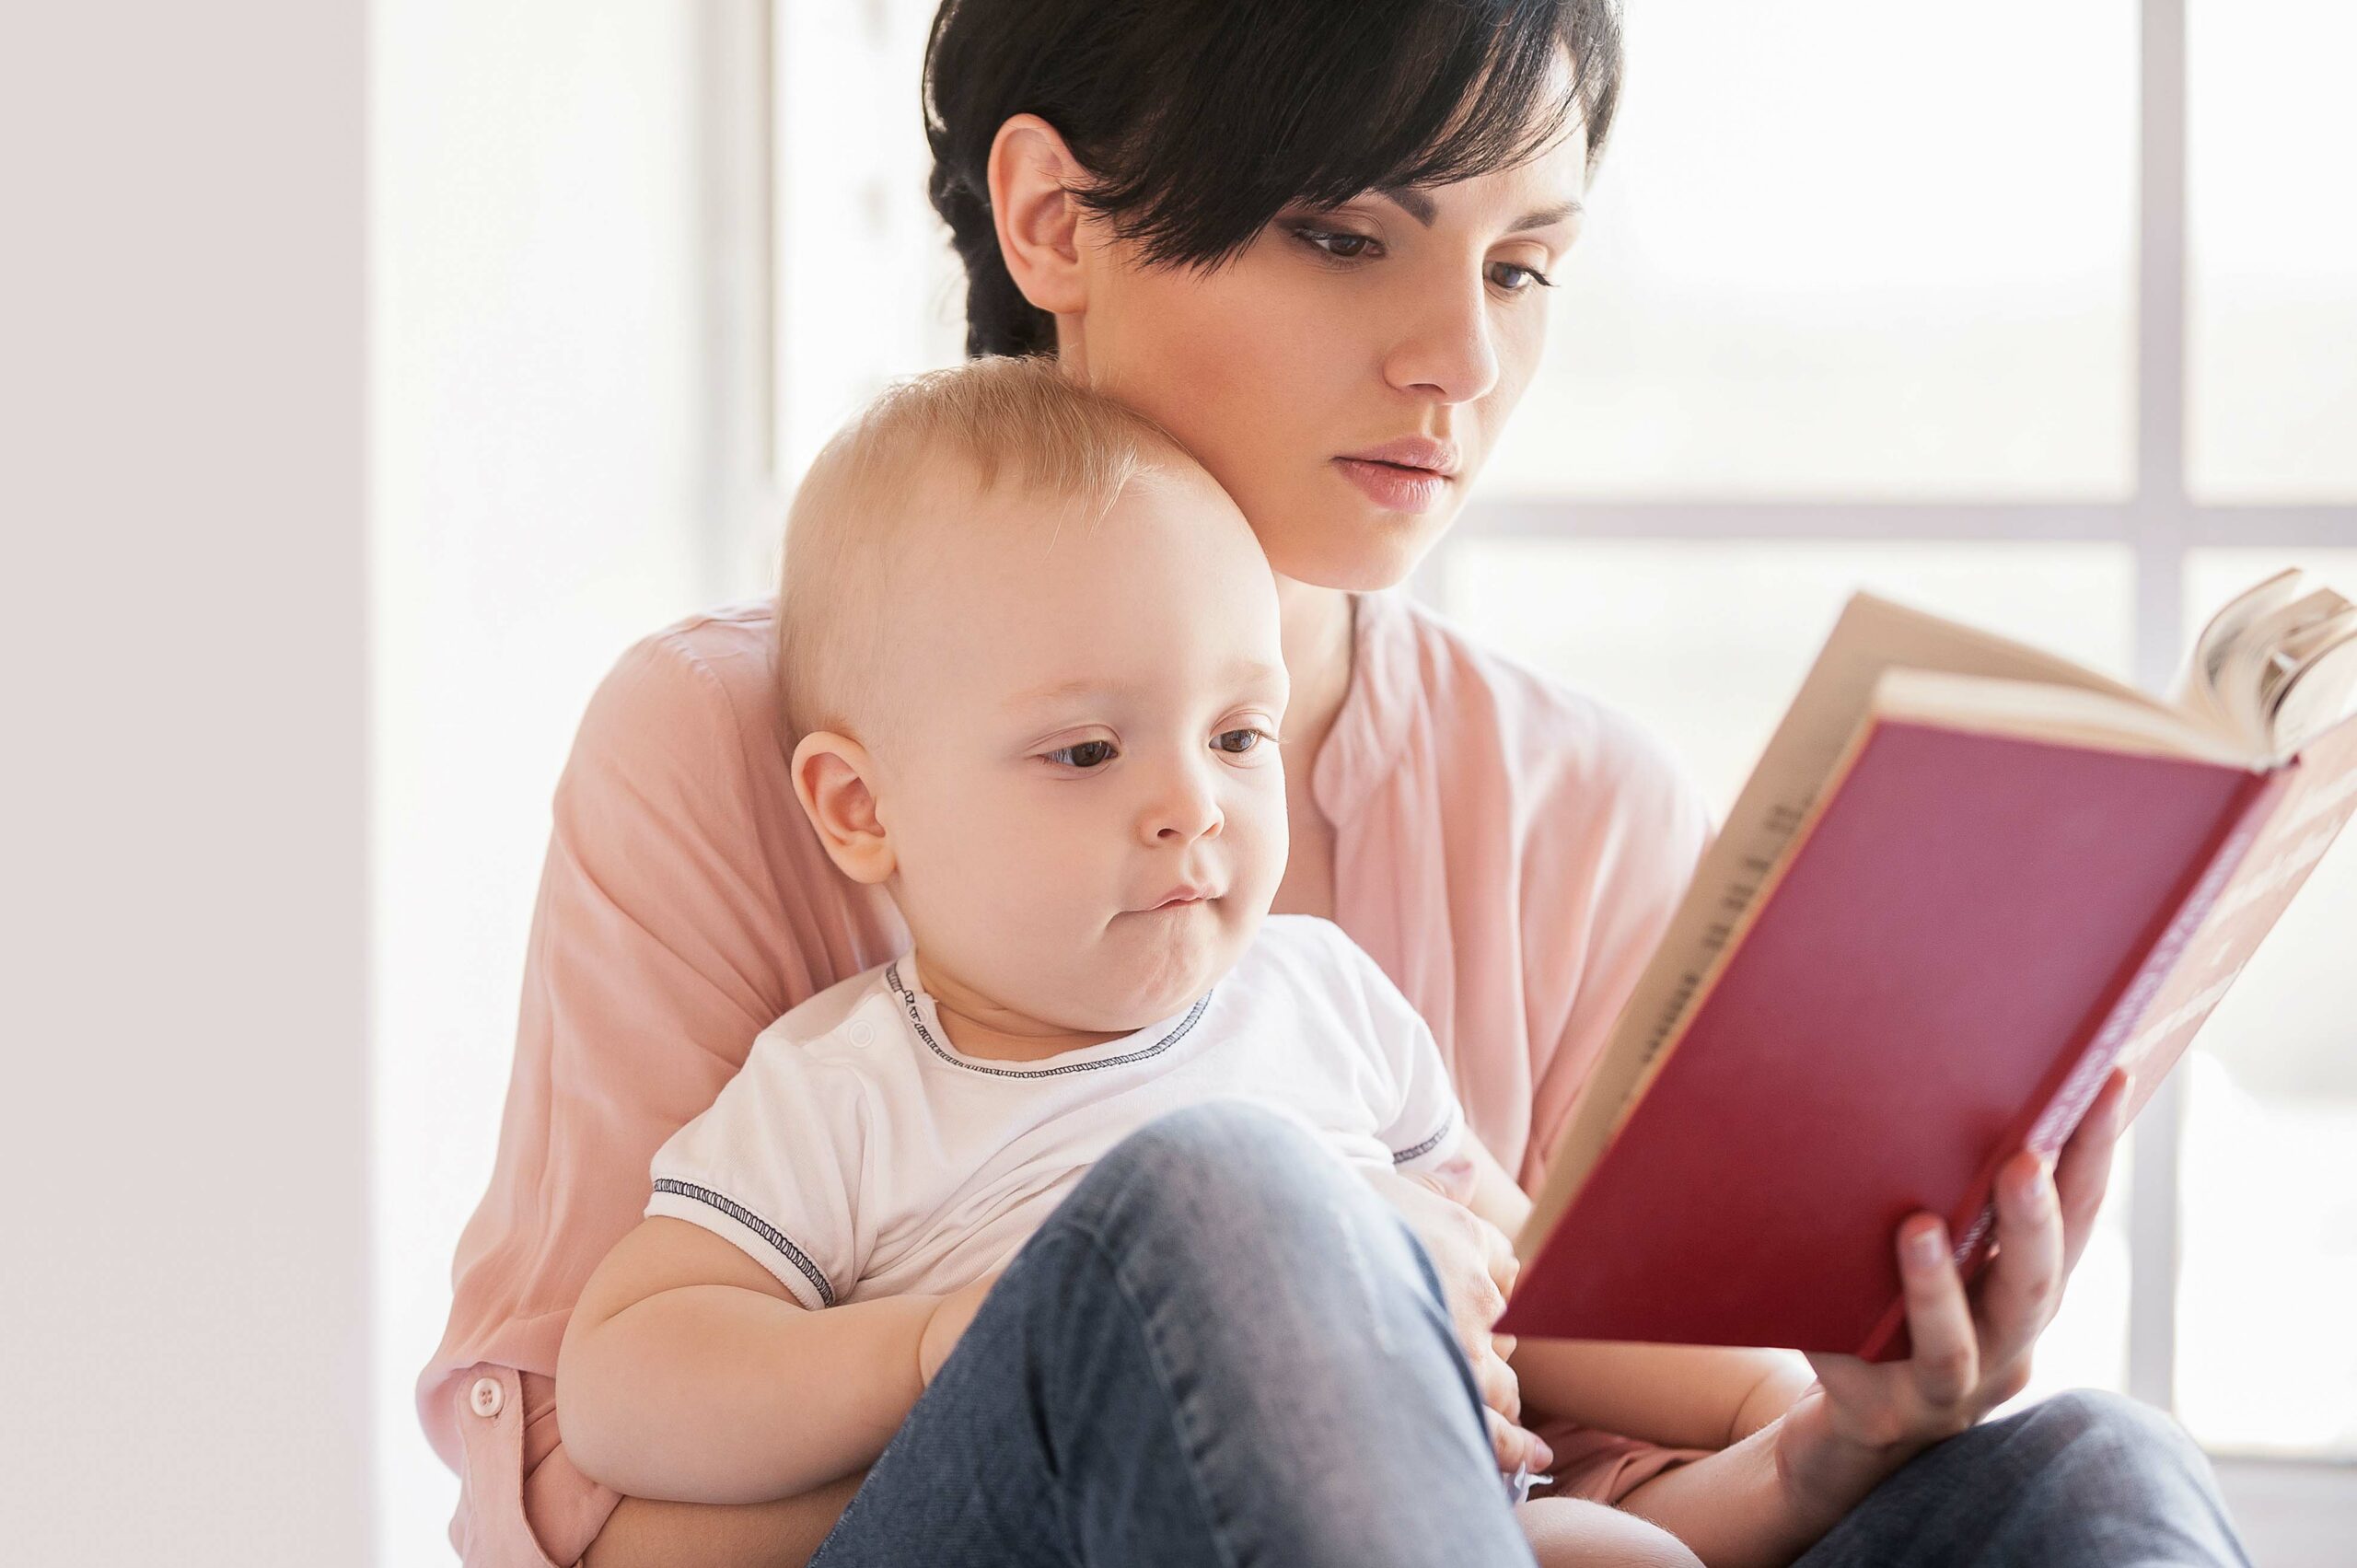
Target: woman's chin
[[1334, 537], [1365, 554]]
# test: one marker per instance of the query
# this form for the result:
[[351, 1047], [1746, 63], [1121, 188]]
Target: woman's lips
[[1394, 487]]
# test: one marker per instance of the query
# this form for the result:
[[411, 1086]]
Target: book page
[[2203, 686], [2276, 664], [2040, 711], [2314, 684], [2318, 799]]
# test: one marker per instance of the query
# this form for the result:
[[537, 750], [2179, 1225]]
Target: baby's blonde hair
[[1017, 421]]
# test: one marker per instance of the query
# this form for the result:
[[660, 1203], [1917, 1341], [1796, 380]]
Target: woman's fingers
[[2084, 1172], [2023, 1283], [1939, 1388], [1946, 1359]]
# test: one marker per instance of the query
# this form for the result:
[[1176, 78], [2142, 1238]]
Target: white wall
[[184, 1253], [546, 489]]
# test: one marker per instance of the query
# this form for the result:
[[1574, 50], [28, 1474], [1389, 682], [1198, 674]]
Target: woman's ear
[[1039, 224], [834, 779]]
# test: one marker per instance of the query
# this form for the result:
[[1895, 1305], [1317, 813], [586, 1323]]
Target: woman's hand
[[947, 1324], [1476, 1269], [1970, 1354]]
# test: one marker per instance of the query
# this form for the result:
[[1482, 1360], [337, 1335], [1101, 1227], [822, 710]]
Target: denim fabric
[[2082, 1478], [1222, 1348]]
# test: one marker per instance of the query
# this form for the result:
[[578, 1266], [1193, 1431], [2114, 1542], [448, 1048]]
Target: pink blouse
[[1506, 849]]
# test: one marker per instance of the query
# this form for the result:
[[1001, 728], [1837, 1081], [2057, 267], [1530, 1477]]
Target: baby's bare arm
[[1680, 1395], [688, 1373]]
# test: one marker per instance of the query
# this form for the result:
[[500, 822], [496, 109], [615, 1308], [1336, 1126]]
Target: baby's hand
[[951, 1313], [1476, 1266], [1516, 1449]]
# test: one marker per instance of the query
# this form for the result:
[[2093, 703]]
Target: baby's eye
[[1236, 742], [1084, 754]]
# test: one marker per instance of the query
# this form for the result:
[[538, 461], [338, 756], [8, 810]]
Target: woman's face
[[1346, 375]]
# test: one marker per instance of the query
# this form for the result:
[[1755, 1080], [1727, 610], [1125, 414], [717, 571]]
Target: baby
[[1036, 681]]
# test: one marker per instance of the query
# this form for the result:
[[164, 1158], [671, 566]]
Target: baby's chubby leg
[[1571, 1533]]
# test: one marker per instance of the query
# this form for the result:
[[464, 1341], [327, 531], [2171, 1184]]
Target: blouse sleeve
[[1606, 860], [1610, 849], [679, 914]]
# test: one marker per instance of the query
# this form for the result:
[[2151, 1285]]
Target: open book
[[1965, 880]]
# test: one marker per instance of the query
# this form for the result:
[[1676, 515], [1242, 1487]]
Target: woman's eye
[[1342, 247], [1085, 754], [1236, 742], [1520, 279]]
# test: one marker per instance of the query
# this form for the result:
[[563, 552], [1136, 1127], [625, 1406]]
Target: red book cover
[[1968, 934]]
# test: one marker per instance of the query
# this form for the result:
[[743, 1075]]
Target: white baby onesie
[[858, 1153]]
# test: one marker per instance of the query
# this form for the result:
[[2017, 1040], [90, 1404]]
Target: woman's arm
[[684, 907], [689, 1372]]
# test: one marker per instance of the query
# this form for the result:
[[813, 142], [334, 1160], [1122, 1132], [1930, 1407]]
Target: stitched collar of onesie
[[916, 1009]]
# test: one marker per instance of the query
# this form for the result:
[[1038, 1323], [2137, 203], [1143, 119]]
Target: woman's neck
[[1316, 639]]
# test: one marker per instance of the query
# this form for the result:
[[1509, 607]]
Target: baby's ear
[[833, 778]]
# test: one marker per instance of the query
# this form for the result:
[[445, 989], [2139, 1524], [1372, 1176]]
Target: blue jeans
[[1224, 1349], [2083, 1477]]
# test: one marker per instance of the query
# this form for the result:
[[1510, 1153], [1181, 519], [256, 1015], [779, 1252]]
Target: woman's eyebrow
[[1544, 217], [1425, 211]]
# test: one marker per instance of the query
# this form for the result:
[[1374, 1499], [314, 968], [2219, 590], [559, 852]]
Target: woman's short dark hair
[[1199, 121]]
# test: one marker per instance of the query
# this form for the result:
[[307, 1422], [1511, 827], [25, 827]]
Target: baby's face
[[1089, 721]]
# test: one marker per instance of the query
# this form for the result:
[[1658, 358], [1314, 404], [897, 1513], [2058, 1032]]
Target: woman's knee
[[2096, 1422], [2087, 1450], [1227, 1175], [1226, 1150]]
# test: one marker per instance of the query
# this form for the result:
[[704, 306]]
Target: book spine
[[2240, 827]]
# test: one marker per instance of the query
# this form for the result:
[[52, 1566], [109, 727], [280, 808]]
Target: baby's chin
[[1154, 963]]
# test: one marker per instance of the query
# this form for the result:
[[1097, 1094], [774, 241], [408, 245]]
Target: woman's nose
[[1446, 351]]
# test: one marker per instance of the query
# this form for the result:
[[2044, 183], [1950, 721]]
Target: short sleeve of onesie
[[1425, 1126], [773, 1164]]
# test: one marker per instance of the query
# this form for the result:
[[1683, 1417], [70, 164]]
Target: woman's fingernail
[[1925, 1248]]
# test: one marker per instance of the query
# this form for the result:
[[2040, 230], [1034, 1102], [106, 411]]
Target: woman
[[1313, 242]]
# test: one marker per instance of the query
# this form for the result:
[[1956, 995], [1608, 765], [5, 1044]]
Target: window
[[1850, 248]]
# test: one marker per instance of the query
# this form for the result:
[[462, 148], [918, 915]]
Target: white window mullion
[[2160, 528]]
